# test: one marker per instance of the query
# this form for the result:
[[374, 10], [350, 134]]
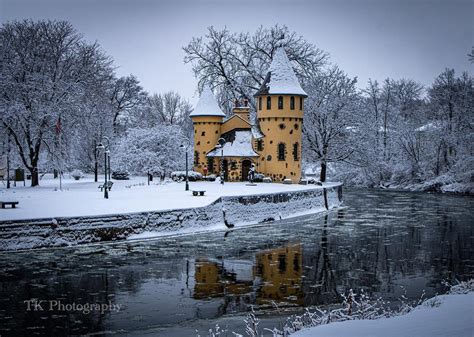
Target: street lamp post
[[185, 146], [106, 161], [221, 144]]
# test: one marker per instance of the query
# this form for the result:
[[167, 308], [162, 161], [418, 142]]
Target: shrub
[[120, 175], [77, 174], [210, 177], [181, 176]]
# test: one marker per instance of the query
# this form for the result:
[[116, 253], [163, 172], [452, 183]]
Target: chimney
[[242, 109]]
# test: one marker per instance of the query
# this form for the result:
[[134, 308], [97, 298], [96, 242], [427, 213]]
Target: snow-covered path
[[81, 198], [454, 317]]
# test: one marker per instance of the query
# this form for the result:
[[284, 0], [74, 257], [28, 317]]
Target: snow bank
[[237, 210], [447, 315]]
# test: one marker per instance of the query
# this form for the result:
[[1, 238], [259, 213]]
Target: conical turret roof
[[207, 105], [281, 79]]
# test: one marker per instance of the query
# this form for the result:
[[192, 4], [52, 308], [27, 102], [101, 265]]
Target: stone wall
[[231, 210]]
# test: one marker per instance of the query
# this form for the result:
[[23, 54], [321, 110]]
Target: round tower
[[280, 111], [207, 119]]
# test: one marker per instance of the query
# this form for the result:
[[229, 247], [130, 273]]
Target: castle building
[[272, 142]]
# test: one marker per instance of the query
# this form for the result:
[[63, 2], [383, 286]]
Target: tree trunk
[[34, 176], [322, 176]]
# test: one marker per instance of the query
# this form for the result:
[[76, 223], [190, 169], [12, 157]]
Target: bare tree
[[235, 64], [328, 123], [44, 69]]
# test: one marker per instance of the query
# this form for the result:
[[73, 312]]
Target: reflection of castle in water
[[276, 276]]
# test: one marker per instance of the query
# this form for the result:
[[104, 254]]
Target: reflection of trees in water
[[381, 241], [96, 286], [320, 280]]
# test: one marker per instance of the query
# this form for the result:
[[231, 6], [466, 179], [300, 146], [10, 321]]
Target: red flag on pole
[[58, 125]]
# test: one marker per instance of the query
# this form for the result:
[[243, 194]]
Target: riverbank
[[192, 213], [446, 315], [83, 197]]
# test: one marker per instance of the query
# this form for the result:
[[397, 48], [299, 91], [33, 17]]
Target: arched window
[[280, 102], [295, 151], [196, 158], [281, 151], [260, 145], [260, 103], [269, 102], [292, 102], [301, 103]]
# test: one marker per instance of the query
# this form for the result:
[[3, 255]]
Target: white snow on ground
[[452, 318], [81, 198], [283, 79]]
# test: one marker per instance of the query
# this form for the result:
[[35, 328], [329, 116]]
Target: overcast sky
[[376, 39]]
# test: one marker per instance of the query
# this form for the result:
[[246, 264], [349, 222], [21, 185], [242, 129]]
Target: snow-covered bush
[[258, 178], [181, 176], [210, 177], [77, 174], [155, 150], [120, 175]]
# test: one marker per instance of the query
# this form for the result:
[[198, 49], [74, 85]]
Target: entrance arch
[[245, 169]]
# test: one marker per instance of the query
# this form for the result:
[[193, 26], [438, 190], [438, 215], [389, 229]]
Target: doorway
[[226, 170], [245, 169]]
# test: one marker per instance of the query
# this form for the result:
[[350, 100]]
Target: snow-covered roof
[[241, 146], [207, 105], [281, 78]]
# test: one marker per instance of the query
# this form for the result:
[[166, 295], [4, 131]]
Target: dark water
[[380, 242]]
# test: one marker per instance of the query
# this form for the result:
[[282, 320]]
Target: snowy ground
[[80, 198], [453, 317]]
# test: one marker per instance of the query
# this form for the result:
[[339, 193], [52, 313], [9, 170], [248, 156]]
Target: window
[[260, 103], [210, 165], [292, 102], [269, 102], [296, 126], [301, 103], [282, 126], [281, 151], [280, 102], [269, 158], [203, 133], [196, 158], [295, 151], [259, 145]]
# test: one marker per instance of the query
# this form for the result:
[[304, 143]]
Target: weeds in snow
[[354, 307]]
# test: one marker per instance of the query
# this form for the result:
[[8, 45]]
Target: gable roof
[[207, 105], [240, 146], [281, 78]]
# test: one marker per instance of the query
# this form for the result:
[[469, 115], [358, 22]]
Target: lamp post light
[[106, 161], [185, 146], [221, 144]]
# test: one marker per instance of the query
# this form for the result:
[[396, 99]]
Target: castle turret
[[207, 119], [280, 102]]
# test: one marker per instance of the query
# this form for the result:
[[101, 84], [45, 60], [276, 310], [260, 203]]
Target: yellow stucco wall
[[235, 122], [207, 130], [280, 126]]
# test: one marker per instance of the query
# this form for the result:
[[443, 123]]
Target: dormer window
[[292, 102], [280, 102], [301, 103], [260, 103], [269, 103]]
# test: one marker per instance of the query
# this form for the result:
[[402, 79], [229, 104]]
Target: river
[[383, 242]]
